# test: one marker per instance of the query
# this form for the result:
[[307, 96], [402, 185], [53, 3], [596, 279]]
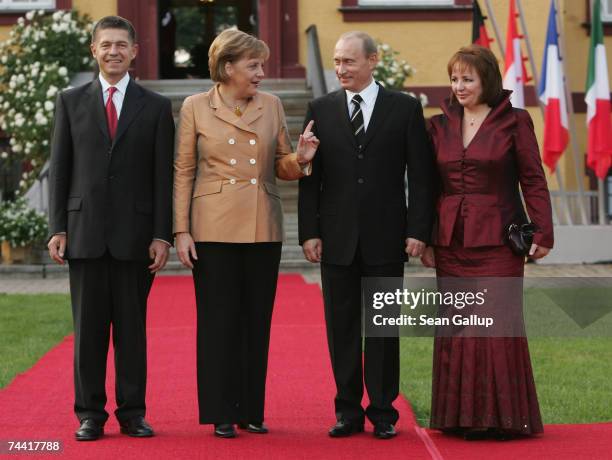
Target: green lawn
[[29, 326]]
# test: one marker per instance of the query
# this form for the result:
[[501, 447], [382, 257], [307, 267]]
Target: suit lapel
[[253, 111], [343, 116], [382, 107], [132, 104], [96, 102]]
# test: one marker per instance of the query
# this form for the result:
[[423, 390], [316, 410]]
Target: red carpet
[[299, 410]]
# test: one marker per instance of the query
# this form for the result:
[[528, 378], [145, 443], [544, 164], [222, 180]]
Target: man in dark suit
[[110, 214], [353, 219]]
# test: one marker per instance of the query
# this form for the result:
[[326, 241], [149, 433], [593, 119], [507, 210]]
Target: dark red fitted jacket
[[482, 181]]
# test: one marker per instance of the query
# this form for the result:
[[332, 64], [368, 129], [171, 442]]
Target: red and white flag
[[552, 94], [599, 148], [515, 76]]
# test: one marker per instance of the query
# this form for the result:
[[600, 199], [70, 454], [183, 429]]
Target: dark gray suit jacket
[[114, 196]]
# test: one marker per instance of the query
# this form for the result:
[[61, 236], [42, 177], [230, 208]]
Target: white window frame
[[606, 10], [406, 2], [26, 5]]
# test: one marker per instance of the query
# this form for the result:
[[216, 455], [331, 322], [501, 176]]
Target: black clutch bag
[[520, 238]]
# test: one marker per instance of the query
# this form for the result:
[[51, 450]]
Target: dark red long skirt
[[482, 382]]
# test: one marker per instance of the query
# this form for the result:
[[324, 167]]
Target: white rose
[[52, 91], [16, 148], [4, 59], [49, 106], [63, 71], [67, 17], [20, 21], [57, 15], [390, 81], [29, 15], [385, 47], [4, 155], [12, 84], [43, 51], [45, 142]]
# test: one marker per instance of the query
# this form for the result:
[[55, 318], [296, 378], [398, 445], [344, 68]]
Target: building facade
[[174, 36]]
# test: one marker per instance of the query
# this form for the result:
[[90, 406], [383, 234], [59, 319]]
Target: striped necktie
[[357, 119]]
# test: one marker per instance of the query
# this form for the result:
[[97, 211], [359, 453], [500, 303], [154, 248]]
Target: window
[[405, 2], [26, 5], [606, 10]]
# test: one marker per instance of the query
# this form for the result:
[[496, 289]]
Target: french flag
[[552, 94]]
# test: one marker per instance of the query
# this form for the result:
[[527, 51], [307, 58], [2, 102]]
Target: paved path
[[58, 282]]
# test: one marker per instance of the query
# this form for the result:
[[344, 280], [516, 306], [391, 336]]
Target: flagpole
[[534, 73], [572, 122], [601, 202], [498, 37]]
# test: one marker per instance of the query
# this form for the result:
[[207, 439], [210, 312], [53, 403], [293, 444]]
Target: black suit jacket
[[357, 194], [111, 195]]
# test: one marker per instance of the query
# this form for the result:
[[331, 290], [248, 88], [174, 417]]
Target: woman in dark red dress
[[485, 149]]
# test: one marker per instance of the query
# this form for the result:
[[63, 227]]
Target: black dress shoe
[[136, 427], [477, 434], [90, 430], [384, 430], [345, 428], [257, 428], [225, 430]]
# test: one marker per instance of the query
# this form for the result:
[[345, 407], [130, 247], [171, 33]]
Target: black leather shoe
[[90, 430], [344, 428], [257, 428], [225, 430], [136, 427], [384, 430]]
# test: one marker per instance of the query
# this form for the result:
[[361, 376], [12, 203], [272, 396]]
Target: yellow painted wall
[[96, 8]]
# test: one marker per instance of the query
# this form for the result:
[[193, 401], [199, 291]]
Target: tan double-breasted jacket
[[226, 167]]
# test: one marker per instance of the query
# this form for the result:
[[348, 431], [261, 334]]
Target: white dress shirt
[[119, 94], [368, 95]]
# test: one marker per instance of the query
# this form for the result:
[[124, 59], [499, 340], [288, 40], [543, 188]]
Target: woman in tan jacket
[[233, 143]]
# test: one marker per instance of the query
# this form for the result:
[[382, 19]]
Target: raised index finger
[[309, 127]]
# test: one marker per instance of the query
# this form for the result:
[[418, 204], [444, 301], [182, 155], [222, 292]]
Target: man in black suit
[[353, 219], [110, 214]]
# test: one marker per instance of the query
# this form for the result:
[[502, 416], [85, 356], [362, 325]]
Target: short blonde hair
[[232, 45]]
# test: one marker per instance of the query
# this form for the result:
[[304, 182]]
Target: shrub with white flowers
[[391, 72], [37, 61], [21, 225]]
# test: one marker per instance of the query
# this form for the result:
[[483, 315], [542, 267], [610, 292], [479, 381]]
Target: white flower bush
[[392, 73], [20, 225], [37, 61]]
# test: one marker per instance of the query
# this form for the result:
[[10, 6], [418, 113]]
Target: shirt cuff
[[163, 241]]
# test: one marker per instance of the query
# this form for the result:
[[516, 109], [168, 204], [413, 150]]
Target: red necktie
[[111, 113]]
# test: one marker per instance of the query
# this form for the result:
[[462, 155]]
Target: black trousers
[[380, 370], [235, 285], [109, 294]]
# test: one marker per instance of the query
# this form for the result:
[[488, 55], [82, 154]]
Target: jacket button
[[360, 180], [252, 142], [252, 161], [253, 181], [233, 161], [360, 156], [232, 181], [232, 141]]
